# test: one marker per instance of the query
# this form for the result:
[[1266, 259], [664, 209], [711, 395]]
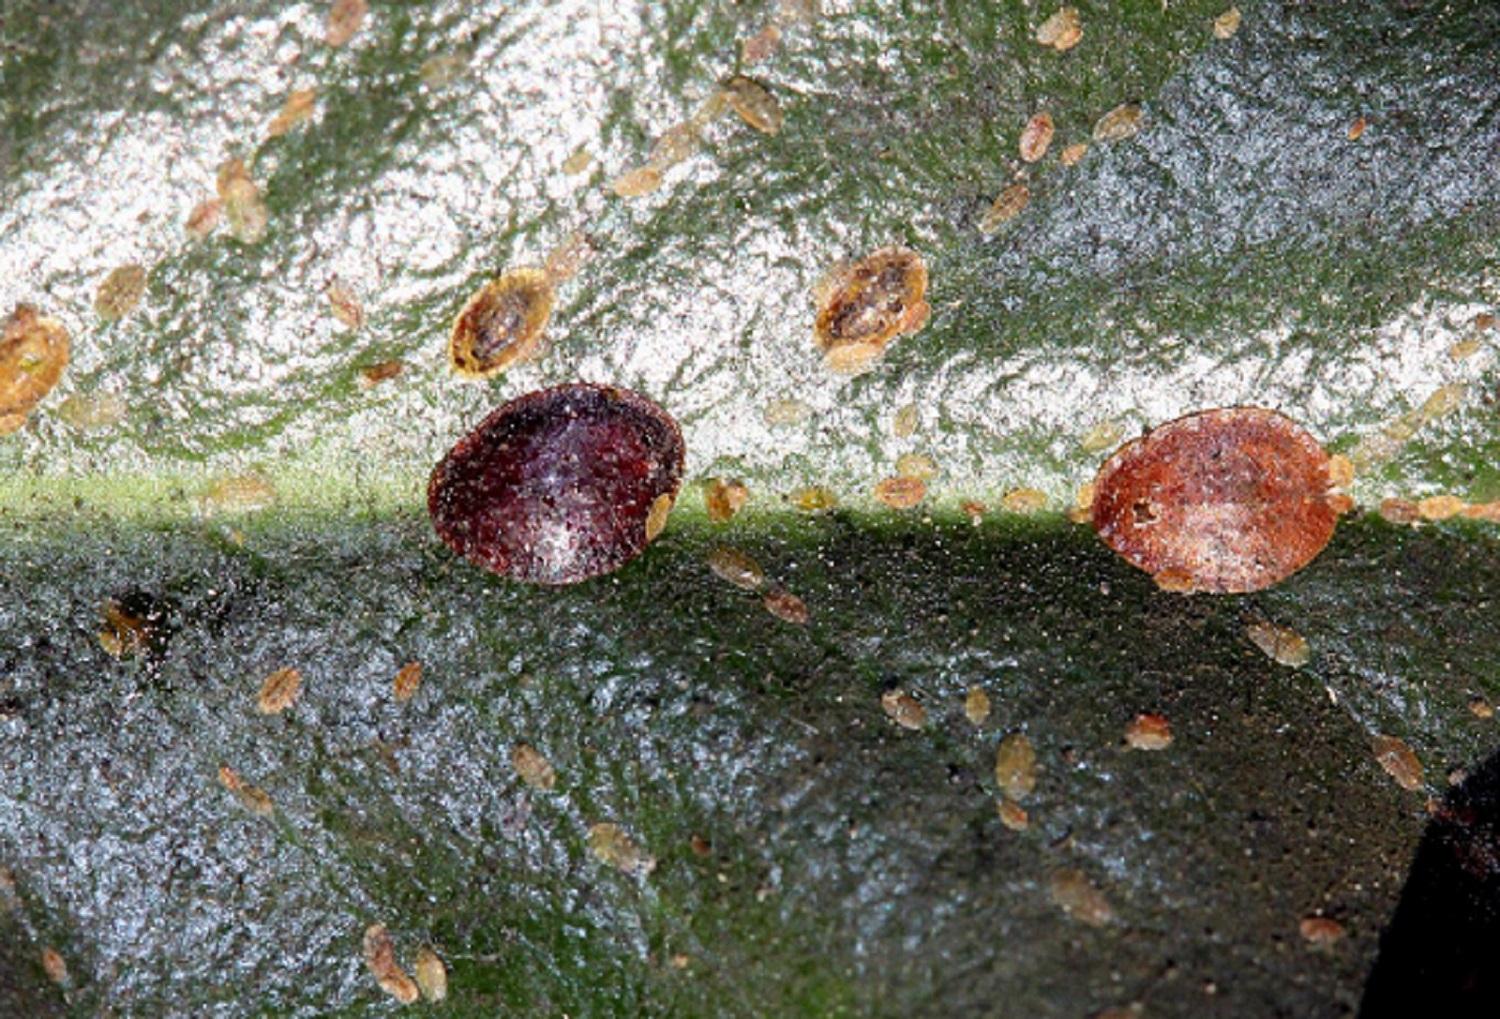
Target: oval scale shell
[[558, 485], [33, 354], [870, 303], [501, 324], [1228, 500]]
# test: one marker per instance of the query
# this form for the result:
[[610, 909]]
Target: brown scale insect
[[786, 606], [1036, 137], [866, 305], [33, 354], [723, 499], [1120, 123], [380, 958], [1062, 30], [559, 485], [1228, 500], [900, 492], [502, 323], [754, 103], [903, 709], [345, 20]]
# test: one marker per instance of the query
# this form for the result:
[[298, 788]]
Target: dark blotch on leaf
[[138, 625], [1225, 500], [557, 486]]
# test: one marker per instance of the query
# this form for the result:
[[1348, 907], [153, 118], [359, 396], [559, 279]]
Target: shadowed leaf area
[[1446, 928], [811, 856]]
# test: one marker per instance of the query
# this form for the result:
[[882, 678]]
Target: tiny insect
[[297, 110], [781, 413], [442, 69], [242, 493], [534, 769], [1120, 123], [735, 567], [1148, 732], [204, 218], [344, 304], [1399, 511], [864, 306], [33, 354], [501, 324], [252, 797], [976, 705], [1005, 208], [724, 499], [1320, 930], [656, 516], [1036, 137], [636, 182], [611, 845], [903, 709], [279, 691], [761, 46], [901, 492], [54, 966], [345, 19], [408, 680], [381, 371], [1082, 511], [1440, 507], [786, 607], [754, 103], [1080, 898], [432, 975], [120, 292], [1103, 435], [380, 958], [242, 202], [1023, 500], [1226, 24], [1281, 644], [1013, 815], [1399, 761], [916, 465], [1062, 31], [813, 499], [135, 623], [1015, 766]]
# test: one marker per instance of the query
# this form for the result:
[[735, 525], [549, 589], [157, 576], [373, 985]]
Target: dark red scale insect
[[1227, 500], [559, 485]]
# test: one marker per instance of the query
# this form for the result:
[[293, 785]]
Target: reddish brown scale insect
[[558, 485], [1227, 500]]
